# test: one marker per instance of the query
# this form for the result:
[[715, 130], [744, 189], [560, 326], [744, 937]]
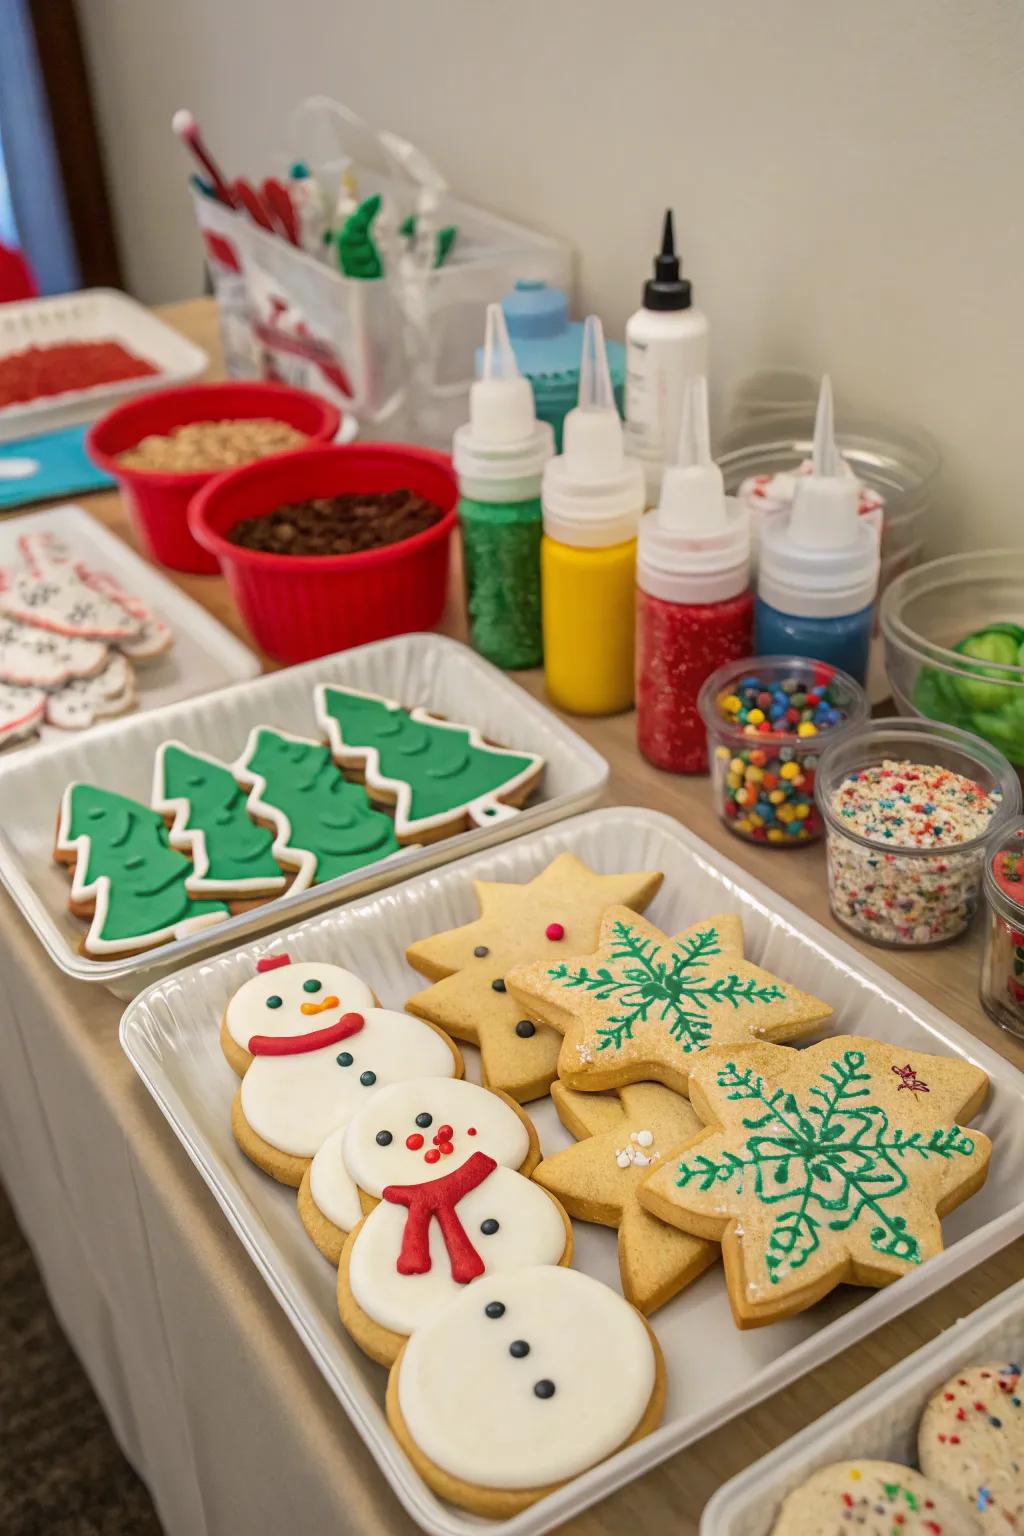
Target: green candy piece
[[999, 644]]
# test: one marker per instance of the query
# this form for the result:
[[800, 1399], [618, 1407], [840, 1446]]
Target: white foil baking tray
[[425, 669], [715, 1371], [879, 1423]]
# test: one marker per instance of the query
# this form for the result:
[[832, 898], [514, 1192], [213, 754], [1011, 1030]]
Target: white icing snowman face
[[418, 1130], [508, 1223], [301, 1088], [527, 1378], [293, 999]]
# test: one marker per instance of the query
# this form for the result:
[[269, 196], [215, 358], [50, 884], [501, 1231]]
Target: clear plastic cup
[[1002, 967], [905, 896]]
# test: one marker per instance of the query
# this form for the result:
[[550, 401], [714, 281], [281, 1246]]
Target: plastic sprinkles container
[[767, 720], [908, 810], [1002, 969]]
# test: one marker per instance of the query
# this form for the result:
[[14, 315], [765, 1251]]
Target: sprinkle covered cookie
[[971, 1439], [828, 1165], [557, 913], [877, 1498], [644, 1006]]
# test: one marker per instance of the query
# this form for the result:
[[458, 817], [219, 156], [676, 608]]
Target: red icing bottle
[[695, 604]]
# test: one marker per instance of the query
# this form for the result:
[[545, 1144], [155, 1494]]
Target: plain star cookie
[[558, 912], [874, 1498], [644, 1007], [522, 1382], [817, 1167], [621, 1137], [971, 1439]]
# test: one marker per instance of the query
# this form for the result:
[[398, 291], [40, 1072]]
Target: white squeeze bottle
[[666, 346]]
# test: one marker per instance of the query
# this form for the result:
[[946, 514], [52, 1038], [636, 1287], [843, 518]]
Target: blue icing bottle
[[818, 566]]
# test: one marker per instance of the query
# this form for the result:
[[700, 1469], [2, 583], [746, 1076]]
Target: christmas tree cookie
[[557, 912], [824, 1166], [127, 879], [323, 826], [439, 776], [232, 855], [643, 1006]]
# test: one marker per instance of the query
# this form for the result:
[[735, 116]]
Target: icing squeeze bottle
[[818, 563], [694, 606], [499, 457], [592, 497]]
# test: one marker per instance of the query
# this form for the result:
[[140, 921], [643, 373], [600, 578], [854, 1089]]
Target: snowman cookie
[[282, 999], [412, 1132], [520, 1383]]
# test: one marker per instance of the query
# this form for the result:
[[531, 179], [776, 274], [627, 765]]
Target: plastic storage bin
[[1002, 968], [763, 783], [898, 896], [157, 500], [300, 606]]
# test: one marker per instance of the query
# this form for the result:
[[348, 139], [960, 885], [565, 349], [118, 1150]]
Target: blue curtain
[[35, 188]]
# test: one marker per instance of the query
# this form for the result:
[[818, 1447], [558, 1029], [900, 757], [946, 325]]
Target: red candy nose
[[444, 1133], [433, 1156], [414, 1142]]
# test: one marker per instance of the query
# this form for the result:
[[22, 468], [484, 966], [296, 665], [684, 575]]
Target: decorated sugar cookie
[[60, 601], [80, 703], [36, 658], [822, 1166], [556, 913], [152, 637], [523, 1381], [231, 854], [644, 1007], [281, 999], [876, 1498], [21, 712], [622, 1137], [300, 1088], [411, 1133], [440, 777], [971, 1439], [127, 879], [323, 826]]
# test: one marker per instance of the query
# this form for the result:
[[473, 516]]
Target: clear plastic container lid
[[1004, 873]]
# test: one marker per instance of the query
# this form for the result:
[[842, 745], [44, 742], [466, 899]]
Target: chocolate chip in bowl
[[338, 525]]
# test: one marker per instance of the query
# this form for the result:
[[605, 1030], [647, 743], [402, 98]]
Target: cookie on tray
[[282, 998], [971, 1439]]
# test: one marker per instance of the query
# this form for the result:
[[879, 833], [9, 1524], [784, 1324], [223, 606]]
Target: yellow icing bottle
[[592, 499]]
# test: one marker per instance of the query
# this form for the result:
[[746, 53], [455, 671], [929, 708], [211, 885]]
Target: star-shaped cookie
[[643, 1006], [821, 1166], [558, 912], [621, 1137]]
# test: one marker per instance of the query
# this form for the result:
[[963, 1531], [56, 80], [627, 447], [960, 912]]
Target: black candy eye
[[311, 986], [384, 1138], [524, 1029], [494, 1309], [518, 1349], [497, 985], [489, 1227], [423, 1120], [344, 1059], [544, 1388], [481, 951], [274, 1001], [367, 1079]]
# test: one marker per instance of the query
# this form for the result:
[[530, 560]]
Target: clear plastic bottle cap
[[695, 546], [593, 494], [500, 453]]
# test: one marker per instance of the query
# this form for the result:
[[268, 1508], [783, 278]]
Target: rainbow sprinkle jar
[[767, 719], [908, 808], [1002, 968]]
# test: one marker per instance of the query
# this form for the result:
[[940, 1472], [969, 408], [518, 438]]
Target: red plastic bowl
[[301, 606], [158, 500]]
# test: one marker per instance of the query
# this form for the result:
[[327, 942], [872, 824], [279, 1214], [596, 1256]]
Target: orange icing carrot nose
[[328, 1002]]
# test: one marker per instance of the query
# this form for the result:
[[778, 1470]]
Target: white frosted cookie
[[523, 1381], [286, 998], [873, 1498], [971, 1438]]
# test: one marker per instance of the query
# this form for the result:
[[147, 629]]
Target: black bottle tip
[[666, 289]]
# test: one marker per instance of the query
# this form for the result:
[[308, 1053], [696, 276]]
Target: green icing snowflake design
[[824, 1166], [674, 988]]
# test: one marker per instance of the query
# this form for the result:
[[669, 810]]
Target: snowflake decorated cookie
[[440, 777], [524, 1380], [556, 913], [874, 1498], [824, 1166], [644, 1006], [971, 1439], [621, 1138]]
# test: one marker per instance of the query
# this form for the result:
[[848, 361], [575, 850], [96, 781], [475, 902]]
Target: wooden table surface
[[947, 977]]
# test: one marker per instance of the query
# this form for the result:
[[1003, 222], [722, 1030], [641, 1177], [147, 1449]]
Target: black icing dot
[[311, 986], [518, 1349], [494, 1309], [367, 1079], [524, 1029], [344, 1059], [274, 1001], [489, 1227], [480, 951], [423, 1120], [384, 1138], [498, 985], [544, 1388]]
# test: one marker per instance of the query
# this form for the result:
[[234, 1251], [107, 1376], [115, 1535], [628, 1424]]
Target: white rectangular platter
[[204, 655], [879, 1423], [426, 669], [715, 1371]]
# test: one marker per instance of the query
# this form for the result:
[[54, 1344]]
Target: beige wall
[[846, 174]]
